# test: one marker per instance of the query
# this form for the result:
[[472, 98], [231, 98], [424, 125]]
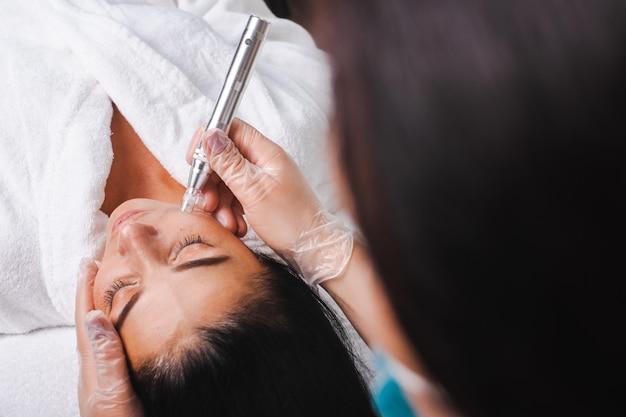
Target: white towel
[[39, 376], [61, 63], [53, 126]]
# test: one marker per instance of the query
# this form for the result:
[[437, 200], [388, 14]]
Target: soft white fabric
[[162, 62], [39, 374], [162, 67]]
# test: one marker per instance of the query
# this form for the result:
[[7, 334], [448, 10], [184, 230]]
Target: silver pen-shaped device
[[227, 102]]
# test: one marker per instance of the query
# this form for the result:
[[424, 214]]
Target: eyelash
[[115, 287], [188, 241], [119, 284]]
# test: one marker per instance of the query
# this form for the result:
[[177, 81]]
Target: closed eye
[[210, 261], [109, 294], [190, 240]]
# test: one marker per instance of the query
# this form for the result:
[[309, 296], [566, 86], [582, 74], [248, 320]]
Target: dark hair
[[283, 352], [300, 11], [484, 144]]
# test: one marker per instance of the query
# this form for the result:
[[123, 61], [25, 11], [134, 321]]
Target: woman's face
[[165, 272]]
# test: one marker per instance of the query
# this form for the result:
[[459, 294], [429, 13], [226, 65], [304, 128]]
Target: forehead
[[167, 314]]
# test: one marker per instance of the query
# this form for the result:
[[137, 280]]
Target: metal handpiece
[[227, 102]]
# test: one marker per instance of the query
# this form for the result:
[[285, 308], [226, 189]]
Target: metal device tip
[[189, 200]]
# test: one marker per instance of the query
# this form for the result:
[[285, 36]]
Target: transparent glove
[[217, 199], [104, 388], [322, 250], [278, 202]]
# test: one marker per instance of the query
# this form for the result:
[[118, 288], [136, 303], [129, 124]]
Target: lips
[[123, 217]]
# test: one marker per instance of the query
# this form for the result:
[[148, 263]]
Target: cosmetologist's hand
[[218, 199], [104, 388], [278, 202]]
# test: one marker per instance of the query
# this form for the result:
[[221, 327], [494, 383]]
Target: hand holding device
[[278, 202], [227, 102]]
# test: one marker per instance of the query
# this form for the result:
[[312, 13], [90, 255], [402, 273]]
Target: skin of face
[[166, 273]]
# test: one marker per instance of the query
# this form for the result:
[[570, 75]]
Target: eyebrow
[[210, 261], [126, 309]]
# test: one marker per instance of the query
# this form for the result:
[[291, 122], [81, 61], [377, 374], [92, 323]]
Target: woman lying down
[[208, 326]]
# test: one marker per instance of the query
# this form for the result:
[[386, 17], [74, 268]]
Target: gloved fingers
[[197, 136], [210, 194], [218, 199], [247, 181], [105, 389], [84, 304], [104, 380], [255, 147], [224, 211], [84, 290], [251, 143], [109, 357], [277, 201]]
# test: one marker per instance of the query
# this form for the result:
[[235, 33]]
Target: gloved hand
[[104, 388], [278, 202], [217, 199]]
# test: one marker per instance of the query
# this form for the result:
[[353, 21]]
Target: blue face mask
[[391, 384]]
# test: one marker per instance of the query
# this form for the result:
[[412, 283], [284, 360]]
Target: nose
[[136, 239]]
